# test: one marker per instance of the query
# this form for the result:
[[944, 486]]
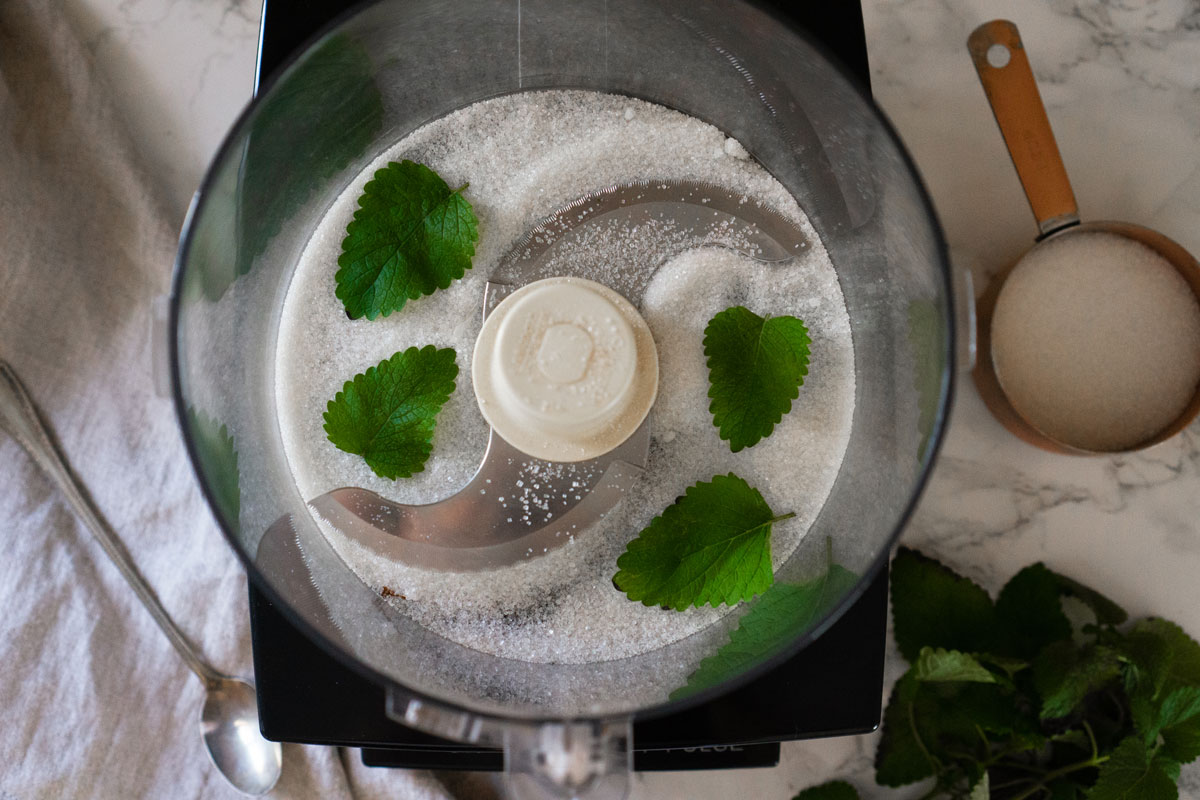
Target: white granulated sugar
[[1096, 340], [734, 148], [525, 156]]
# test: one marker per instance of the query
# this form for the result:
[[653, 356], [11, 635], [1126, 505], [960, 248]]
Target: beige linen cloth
[[95, 703]]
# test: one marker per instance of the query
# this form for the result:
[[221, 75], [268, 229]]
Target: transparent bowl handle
[[567, 760], [579, 760]]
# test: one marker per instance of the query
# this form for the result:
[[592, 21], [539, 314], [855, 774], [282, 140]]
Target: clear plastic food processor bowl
[[393, 66]]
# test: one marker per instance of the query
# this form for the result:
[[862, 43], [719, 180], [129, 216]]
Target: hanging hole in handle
[[998, 56]]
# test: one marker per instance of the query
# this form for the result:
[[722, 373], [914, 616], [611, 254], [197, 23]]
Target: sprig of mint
[[780, 614], [1135, 772], [1017, 699], [387, 414], [1035, 701], [712, 545], [411, 235], [756, 366]]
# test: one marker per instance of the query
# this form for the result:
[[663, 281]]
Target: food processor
[[324, 640]]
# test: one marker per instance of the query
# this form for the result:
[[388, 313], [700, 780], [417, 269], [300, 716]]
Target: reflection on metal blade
[[647, 223], [515, 507], [280, 559]]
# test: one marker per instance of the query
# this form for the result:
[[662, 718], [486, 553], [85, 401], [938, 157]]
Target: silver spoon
[[229, 719]]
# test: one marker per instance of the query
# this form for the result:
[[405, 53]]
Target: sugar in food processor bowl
[[394, 66]]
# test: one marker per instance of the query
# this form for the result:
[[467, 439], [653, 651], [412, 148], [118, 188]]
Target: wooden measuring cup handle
[[1013, 94]]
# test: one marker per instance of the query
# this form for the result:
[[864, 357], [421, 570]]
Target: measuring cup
[[1008, 81]]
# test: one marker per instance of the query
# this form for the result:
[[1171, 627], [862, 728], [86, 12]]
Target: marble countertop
[[1121, 82]]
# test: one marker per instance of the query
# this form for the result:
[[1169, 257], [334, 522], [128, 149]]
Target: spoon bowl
[[229, 726], [229, 719]]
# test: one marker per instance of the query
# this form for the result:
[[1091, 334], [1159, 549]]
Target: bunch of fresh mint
[[1045, 693]]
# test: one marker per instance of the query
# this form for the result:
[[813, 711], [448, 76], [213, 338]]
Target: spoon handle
[[21, 419], [1012, 91]]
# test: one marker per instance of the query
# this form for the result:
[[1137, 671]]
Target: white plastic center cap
[[565, 369], [564, 357], [565, 353]]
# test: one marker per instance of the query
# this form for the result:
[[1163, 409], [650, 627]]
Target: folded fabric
[[96, 702]]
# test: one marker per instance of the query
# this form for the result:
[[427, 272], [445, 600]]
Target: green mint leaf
[[1064, 675], [940, 665], [1030, 615], [410, 236], [387, 414], [935, 727], [1169, 765], [928, 726], [936, 607], [1179, 724], [834, 790], [712, 545], [992, 707], [755, 369], [1010, 666], [322, 115], [1132, 774], [779, 615], [1148, 657], [1029, 612], [218, 459], [1107, 612], [902, 756], [1166, 658], [1160, 660]]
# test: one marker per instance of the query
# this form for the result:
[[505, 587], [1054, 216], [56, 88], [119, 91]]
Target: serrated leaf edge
[[368, 375], [930, 655], [359, 215], [794, 394], [637, 543]]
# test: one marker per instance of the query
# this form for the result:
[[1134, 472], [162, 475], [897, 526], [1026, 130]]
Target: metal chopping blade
[[516, 506]]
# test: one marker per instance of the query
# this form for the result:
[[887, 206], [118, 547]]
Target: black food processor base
[[833, 687]]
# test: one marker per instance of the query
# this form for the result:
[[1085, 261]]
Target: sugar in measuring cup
[[1090, 342]]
